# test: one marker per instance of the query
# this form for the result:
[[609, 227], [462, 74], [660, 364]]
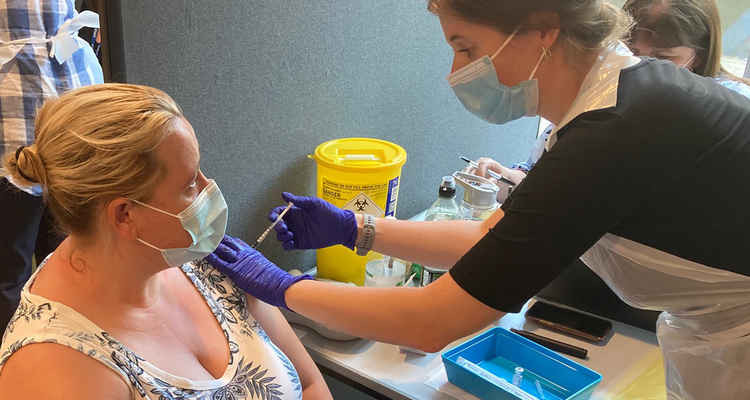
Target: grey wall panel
[[264, 82]]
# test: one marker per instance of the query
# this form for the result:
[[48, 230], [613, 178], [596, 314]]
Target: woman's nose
[[202, 180], [454, 67]]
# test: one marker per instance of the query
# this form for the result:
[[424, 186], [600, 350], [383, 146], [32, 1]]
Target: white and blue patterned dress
[[257, 368]]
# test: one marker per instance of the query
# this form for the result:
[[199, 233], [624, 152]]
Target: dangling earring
[[545, 53]]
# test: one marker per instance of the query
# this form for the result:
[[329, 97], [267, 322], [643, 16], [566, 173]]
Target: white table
[[388, 372]]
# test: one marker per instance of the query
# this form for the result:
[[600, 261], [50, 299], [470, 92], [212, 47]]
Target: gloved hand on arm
[[252, 272], [313, 223]]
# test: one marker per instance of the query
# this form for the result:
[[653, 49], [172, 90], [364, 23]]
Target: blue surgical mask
[[477, 87], [205, 219]]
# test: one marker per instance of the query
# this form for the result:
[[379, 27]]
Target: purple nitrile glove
[[314, 223], [252, 272]]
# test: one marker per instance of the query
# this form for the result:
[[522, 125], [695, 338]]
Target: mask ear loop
[[148, 244], [687, 65], [512, 35], [154, 208], [545, 53]]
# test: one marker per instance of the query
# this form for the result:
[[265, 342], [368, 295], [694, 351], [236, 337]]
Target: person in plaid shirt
[[41, 57]]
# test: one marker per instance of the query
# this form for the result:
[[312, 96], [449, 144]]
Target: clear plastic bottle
[[445, 207]]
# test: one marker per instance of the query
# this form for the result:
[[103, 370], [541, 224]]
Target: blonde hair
[[93, 145], [586, 25]]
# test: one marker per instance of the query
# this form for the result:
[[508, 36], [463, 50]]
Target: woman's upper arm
[[51, 371], [277, 328]]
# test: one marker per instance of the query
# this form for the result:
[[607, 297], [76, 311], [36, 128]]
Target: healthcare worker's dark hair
[[586, 25], [690, 23]]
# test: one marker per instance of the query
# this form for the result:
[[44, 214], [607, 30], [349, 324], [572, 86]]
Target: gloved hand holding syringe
[[263, 235]]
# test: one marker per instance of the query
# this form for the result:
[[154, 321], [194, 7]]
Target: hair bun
[[28, 166]]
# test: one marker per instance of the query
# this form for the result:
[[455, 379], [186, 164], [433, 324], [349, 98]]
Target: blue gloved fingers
[[281, 227], [288, 245], [274, 214], [287, 239], [240, 245], [301, 201], [253, 273], [287, 197], [217, 262], [284, 236], [225, 253], [230, 242]]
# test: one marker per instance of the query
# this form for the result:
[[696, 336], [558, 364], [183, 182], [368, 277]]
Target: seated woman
[[119, 310]]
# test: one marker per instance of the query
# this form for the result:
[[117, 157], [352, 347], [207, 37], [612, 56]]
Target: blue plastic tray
[[492, 358]]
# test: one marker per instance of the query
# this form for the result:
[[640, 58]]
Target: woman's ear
[[119, 215], [548, 25]]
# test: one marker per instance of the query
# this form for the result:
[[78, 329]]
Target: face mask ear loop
[[154, 208], [149, 244], [512, 35], [545, 53], [687, 63]]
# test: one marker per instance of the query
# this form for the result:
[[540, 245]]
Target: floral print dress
[[257, 368]]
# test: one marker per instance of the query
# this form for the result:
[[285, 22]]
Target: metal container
[[480, 196]]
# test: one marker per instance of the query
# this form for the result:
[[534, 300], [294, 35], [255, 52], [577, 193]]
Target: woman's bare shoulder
[[49, 370]]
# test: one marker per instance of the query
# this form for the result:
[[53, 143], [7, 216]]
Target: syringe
[[265, 233]]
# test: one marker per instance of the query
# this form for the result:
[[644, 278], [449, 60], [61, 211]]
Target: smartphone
[[568, 321]]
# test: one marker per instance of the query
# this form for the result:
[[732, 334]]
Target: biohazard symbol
[[361, 204]]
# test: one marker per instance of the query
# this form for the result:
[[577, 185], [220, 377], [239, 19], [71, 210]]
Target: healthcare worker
[[645, 178], [686, 32]]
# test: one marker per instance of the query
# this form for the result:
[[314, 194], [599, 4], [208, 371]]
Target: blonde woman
[[119, 310]]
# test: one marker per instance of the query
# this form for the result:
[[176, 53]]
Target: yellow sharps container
[[362, 175]]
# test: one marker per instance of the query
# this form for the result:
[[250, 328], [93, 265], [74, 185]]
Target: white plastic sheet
[[704, 329]]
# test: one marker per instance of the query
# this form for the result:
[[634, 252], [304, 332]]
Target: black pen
[[553, 344], [492, 173]]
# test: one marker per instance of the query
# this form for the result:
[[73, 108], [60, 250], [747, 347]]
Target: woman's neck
[[560, 82], [107, 273]]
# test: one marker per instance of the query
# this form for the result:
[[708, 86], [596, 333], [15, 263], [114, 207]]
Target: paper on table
[[649, 385], [438, 380], [645, 380]]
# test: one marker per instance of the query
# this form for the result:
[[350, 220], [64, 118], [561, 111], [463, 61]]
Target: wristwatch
[[366, 236]]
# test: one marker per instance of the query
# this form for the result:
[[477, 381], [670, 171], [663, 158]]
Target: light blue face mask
[[477, 87], [205, 219]]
